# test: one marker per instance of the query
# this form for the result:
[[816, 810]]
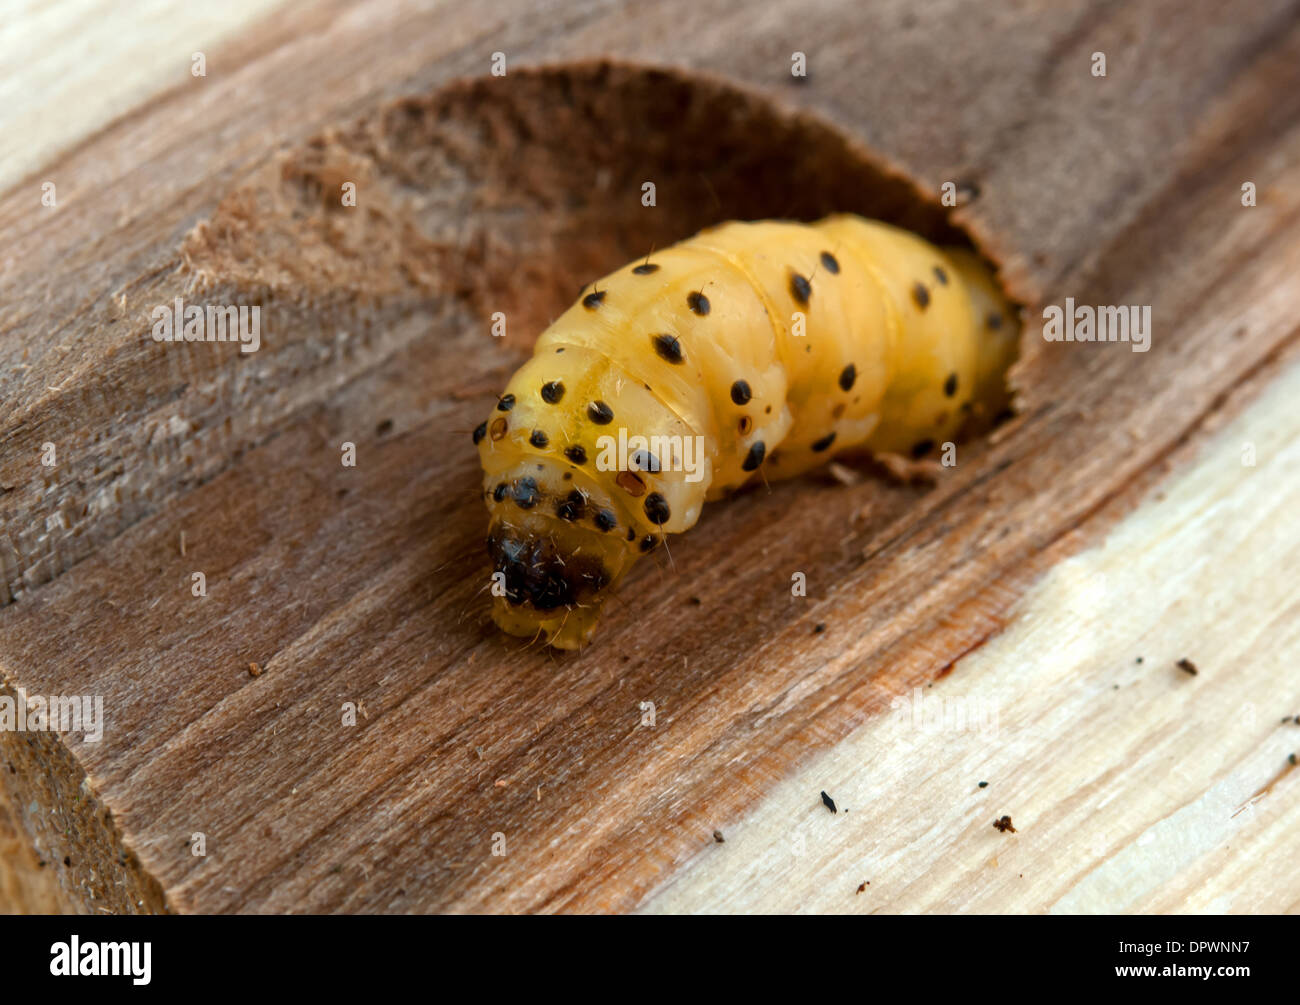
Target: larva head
[[556, 547], [549, 580], [569, 515]]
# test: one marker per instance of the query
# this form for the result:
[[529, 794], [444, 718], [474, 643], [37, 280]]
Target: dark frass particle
[[1004, 824], [818, 628], [480, 431], [828, 802], [656, 508], [1187, 666], [593, 300], [506, 402], [984, 785], [831, 265], [552, 392], [847, 376], [718, 838], [576, 454], [600, 413], [386, 427], [740, 392], [698, 303], [538, 439], [755, 456], [669, 347], [800, 288]]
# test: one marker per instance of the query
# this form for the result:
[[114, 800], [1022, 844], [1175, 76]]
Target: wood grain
[[363, 584]]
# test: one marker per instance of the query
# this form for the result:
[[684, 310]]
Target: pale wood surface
[[1132, 786], [364, 584]]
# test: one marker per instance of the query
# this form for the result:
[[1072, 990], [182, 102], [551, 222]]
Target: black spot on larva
[[941, 275], [500, 491], [576, 454], [994, 321], [950, 385], [593, 300], [800, 288], [656, 508], [698, 302], [643, 460], [600, 413], [559, 350], [755, 456], [745, 425], [645, 268], [525, 493], [506, 403], [830, 262], [922, 447], [649, 542], [847, 376], [631, 533], [552, 392], [824, 443], [571, 507], [740, 392], [605, 520], [668, 347], [538, 439], [921, 295], [480, 431]]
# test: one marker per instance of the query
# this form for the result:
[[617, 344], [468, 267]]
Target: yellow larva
[[750, 350]]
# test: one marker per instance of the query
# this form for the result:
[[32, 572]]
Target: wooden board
[[364, 584]]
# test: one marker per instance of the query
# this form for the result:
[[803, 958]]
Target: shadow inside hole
[[550, 167]]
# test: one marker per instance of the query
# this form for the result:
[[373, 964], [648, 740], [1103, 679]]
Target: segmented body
[[752, 350]]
